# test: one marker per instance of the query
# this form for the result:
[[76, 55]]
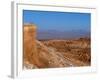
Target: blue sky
[[47, 20]]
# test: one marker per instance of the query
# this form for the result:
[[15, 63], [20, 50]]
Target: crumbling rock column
[[30, 50]]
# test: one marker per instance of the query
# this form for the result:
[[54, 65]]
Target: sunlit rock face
[[29, 43]]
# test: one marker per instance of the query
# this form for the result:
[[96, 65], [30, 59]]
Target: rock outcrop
[[30, 49]]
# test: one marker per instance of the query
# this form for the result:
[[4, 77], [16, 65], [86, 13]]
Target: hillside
[[54, 53]]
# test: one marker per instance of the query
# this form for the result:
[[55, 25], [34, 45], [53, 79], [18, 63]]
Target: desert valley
[[54, 53]]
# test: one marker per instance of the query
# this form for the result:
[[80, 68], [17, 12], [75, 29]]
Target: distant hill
[[54, 34]]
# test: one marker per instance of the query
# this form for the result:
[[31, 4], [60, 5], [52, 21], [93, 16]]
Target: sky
[[63, 21]]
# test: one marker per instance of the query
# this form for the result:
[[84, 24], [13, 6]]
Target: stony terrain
[[54, 53], [73, 50]]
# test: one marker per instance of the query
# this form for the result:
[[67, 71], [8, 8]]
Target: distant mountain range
[[54, 34]]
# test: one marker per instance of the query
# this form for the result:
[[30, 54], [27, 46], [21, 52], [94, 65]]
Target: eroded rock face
[[30, 50], [49, 57]]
